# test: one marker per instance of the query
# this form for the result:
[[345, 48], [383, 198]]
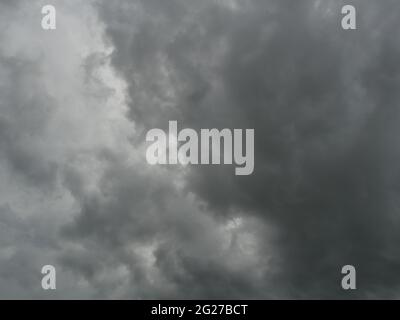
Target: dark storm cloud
[[323, 103], [160, 239], [77, 192]]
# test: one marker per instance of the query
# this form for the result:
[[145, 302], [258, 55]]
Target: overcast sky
[[76, 191]]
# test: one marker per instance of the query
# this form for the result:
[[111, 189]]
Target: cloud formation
[[77, 192]]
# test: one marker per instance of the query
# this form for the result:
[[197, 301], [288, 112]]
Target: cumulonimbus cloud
[[77, 192]]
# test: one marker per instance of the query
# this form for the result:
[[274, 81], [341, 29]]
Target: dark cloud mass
[[76, 189]]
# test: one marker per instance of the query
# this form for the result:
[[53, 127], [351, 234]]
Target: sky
[[76, 191]]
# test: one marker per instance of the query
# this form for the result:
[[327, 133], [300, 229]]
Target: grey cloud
[[323, 104], [322, 101]]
